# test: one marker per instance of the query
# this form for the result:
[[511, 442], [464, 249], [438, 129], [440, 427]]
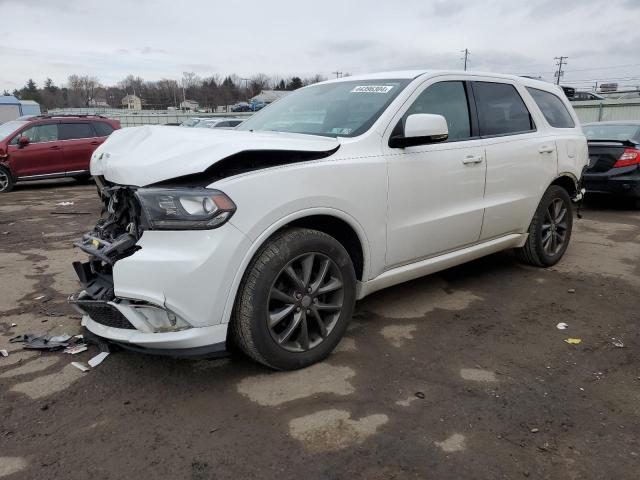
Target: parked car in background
[[45, 146], [267, 234], [220, 122], [255, 106], [614, 159], [193, 121], [629, 96], [585, 96], [241, 107]]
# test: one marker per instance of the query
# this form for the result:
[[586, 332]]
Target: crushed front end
[[135, 284]]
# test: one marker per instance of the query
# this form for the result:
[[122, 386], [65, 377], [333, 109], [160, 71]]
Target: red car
[[48, 146]]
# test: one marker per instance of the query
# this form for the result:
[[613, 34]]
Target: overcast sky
[[161, 39]]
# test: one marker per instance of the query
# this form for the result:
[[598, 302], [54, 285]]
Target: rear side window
[[72, 131], [501, 110], [553, 108], [448, 99], [103, 129]]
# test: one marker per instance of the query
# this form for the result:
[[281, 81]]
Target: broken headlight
[[185, 208]]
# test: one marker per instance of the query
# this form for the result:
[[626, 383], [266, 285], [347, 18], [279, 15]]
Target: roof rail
[[74, 115]]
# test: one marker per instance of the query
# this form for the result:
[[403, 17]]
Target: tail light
[[631, 156]]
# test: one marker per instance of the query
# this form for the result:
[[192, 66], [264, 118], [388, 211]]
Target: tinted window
[[103, 129], [38, 134], [553, 108], [448, 99], [71, 131], [501, 110], [234, 123]]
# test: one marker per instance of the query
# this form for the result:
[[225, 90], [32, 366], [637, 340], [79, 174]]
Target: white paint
[[397, 334], [455, 443], [333, 430], [478, 375], [273, 389]]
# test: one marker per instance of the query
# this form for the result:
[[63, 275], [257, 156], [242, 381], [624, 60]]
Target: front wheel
[[550, 229], [295, 301], [6, 180]]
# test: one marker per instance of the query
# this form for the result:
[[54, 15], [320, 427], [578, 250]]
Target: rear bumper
[[623, 181]]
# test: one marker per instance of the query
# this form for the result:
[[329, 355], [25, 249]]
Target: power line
[[561, 61]]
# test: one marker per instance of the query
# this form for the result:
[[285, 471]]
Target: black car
[[614, 159]]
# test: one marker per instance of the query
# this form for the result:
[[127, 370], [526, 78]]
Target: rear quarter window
[[103, 129], [73, 131], [553, 109]]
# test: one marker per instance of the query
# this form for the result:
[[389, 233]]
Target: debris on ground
[[4, 353], [617, 343], [562, 326], [534, 430], [40, 297], [573, 341], [64, 204], [77, 348], [82, 366], [97, 360], [571, 290], [41, 342]]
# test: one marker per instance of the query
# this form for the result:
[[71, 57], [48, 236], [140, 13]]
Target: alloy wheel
[[4, 180], [554, 227], [305, 302]]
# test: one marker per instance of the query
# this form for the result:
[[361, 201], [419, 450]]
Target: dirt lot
[[459, 375]]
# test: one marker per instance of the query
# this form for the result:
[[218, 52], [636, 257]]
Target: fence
[[133, 118], [603, 110], [591, 111]]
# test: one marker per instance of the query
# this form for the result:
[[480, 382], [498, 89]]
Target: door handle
[[55, 147], [95, 143], [546, 149], [472, 159]]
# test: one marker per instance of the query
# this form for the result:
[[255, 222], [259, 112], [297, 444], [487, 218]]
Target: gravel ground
[[457, 375]]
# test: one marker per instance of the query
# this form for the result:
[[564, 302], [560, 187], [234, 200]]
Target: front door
[[41, 156], [435, 191]]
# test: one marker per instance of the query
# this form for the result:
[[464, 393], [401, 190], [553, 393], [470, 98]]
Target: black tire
[[83, 179], [636, 203], [250, 327], [6, 180], [534, 251]]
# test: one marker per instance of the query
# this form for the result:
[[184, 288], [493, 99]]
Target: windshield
[[191, 122], [341, 109], [611, 132], [8, 128]]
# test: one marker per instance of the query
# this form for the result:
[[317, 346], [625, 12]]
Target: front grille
[[105, 314]]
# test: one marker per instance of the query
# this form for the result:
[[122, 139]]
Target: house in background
[[12, 108], [132, 102], [189, 105], [269, 96]]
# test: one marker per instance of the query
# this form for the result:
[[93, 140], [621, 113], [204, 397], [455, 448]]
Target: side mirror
[[23, 141], [421, 129]]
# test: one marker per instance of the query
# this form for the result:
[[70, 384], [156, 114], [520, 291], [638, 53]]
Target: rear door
[[78, 140], [41, 156], [521, 160]]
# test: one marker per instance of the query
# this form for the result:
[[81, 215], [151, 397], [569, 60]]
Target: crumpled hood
[[145, 155]]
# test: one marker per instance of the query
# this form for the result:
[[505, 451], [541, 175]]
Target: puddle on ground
[[333, 430], [271, 389], [397, 334]]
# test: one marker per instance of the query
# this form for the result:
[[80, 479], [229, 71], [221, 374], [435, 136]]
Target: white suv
[[265, 236]]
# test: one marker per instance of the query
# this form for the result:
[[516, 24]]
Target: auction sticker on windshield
[[372, 89]]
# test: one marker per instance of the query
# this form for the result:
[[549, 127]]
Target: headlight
[[185, 208]]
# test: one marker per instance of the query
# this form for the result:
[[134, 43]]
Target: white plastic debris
[[97, 360], [562, 326], [76, 349], [14, 324], [40, 297], [82, 366], [617, 343], [64, 204], [4, 353]]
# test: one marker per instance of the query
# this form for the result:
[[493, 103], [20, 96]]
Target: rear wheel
[[295, 301], [550, 229], [6, 180]]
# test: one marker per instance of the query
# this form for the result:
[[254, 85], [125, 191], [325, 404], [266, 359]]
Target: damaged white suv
[[265, 236]]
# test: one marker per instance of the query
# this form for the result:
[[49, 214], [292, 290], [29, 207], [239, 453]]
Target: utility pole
[[560, 61], [337, 74], [466, 57]]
